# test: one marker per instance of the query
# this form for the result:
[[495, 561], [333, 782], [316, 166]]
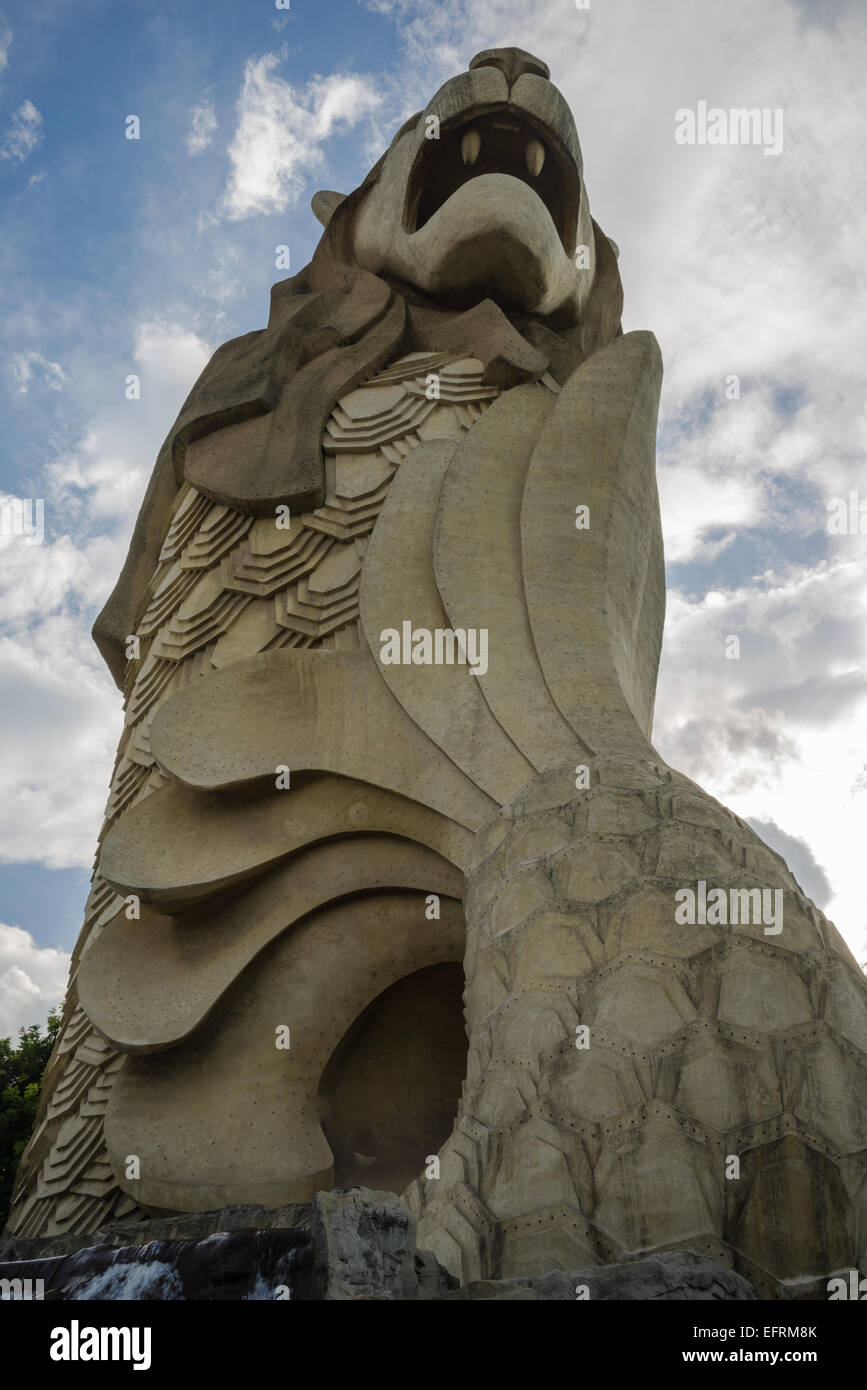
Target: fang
[[535, 157], [470, 146]]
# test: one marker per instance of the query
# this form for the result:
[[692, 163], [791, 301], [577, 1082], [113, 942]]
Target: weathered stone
[[365, 1246], [346, 1245], [183, 1227], [441, 444], [677, 1275]]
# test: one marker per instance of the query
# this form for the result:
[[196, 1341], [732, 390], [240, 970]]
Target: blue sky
[[141, 256]]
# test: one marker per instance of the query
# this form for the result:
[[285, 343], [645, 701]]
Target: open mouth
[[503, 140]]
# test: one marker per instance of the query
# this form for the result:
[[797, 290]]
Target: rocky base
[[677, 1274], [344, 1245], [352, 1244]]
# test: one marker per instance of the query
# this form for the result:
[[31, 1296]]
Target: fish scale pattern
[[703, 1045], [228, 586]]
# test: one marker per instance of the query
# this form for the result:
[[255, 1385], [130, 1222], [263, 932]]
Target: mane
[[330, 327]]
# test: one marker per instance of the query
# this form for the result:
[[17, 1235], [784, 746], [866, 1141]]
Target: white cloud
[[23, 135], [780, 734], [203, 123], [55, 758], [104, 475], [800, 859], [169, 354], [57, 752], [693, 500], [23, 365], [276, 145], [32, 980]]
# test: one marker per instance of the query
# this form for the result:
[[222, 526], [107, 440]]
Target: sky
[[140, 256]]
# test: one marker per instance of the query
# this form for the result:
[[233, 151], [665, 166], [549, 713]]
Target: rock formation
[[341, 1247], [330, 814]]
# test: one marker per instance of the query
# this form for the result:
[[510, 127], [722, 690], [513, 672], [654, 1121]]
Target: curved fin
[[397, 585]]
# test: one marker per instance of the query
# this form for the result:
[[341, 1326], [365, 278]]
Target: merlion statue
[[388, 637]]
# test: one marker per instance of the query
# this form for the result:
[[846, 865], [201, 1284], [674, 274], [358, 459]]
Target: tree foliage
[[21, 1070]]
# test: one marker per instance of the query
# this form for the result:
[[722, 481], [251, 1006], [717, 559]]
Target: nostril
[[512, 62]]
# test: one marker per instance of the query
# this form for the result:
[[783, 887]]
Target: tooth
[[535, 157], [470, 146]]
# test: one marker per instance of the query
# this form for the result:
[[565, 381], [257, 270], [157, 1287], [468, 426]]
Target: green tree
[[21, 1070]]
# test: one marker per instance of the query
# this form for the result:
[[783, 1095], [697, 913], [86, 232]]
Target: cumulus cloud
[[32, 980], [203, 123], [799, 857], [280, 130], [778, 734], [696, 500], [104, 475], [24, 364], [169, 354], [56, 757], [57, 753], [23, 134], [801, 649]]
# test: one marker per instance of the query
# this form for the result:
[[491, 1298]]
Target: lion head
[[471, 234], [481, 196]]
